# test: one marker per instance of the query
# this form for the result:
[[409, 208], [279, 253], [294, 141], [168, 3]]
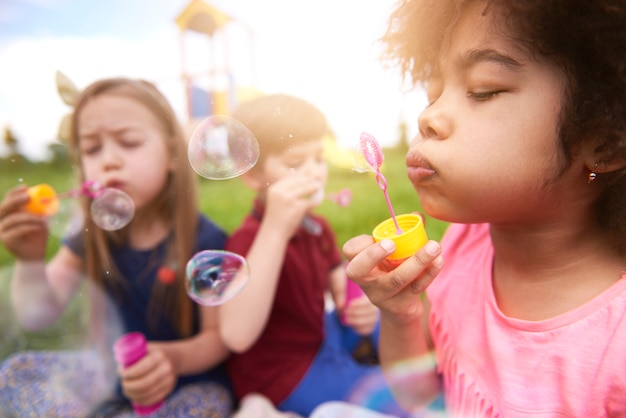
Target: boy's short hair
[[278, 121]]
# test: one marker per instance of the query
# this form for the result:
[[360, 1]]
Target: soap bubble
[[112, 209], [221, 148], [215, 277], [360, 164]]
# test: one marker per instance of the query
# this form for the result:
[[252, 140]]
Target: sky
[[324, 51]]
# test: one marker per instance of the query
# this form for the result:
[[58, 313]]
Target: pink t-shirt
[[572, 365]]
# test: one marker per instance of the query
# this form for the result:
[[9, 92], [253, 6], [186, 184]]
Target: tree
[[11, 143], [403, 138]]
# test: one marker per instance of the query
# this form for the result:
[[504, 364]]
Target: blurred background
[[206, 57]]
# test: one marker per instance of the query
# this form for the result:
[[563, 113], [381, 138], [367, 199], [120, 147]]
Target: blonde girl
[[125, 135]]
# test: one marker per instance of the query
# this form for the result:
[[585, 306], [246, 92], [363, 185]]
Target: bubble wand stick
[[90, 188], [111, 209], [374, 157]]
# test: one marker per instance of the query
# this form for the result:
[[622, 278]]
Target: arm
[[405, 337], [154, 377], [39, 292], [201, 352], [337, 286], [243, 319]]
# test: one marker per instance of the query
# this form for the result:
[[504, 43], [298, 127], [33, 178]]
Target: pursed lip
[[418, 167], [114, 184]]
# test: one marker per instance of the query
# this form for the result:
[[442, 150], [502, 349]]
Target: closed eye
[[483, 96], [90, 150], [89, 146]]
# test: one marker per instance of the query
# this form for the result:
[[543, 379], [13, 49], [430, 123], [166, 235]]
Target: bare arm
[[337, 286], [243, 319], [405, 337], [360, 314], [39, 292], [201, 352], [406, 348]]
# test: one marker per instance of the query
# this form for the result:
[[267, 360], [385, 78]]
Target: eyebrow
[[476, 56]]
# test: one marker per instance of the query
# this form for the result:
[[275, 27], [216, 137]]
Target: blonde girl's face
[[122, 145], [487, 148]]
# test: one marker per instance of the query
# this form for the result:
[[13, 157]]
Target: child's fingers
[[423, 266], [148, 380], [13, 201], [149, 394], [364, 255], [357, 244]]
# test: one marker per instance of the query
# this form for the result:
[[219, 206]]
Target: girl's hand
[[361, 315], [149, 380], [23, 234], [396, 291]]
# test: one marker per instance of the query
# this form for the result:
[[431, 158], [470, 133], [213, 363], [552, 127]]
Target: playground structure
[[219, 78], [215, 87]]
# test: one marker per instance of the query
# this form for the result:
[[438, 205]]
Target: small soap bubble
[[221, 148], [214, 277], [360, 163], [112, 209]]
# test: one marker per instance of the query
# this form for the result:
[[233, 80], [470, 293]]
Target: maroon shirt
[[279, 359]]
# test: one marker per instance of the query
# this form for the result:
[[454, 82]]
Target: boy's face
[[300, 159]]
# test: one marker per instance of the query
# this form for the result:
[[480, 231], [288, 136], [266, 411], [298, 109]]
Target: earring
[[592, 174]]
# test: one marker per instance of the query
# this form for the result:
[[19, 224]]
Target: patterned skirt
[[77, 384]]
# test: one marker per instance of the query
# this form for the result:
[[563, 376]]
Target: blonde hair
[[181, 185], [278, 121]]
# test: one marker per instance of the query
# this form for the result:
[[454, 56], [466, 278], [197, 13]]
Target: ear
[[604, 163]]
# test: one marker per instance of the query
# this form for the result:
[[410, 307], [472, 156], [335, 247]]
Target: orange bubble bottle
[[43, 200]]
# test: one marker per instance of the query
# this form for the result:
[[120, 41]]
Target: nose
[[435, 122], [111, 157], [315, 167]]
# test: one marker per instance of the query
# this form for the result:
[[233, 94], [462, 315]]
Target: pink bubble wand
[[374, 157], [111, 209], [91, 189]]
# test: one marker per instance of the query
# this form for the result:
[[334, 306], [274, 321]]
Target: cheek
[[89, 170], [325, 173]]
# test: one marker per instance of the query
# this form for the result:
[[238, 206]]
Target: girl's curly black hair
[[584, 38]]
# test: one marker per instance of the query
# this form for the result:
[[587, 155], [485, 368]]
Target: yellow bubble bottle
[[411, 238]]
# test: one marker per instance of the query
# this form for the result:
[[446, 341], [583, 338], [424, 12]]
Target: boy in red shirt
[[286, 346]]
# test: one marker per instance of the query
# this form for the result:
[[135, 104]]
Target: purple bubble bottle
[[128, 349]]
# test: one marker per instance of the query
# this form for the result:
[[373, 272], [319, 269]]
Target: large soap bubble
[[221, 148], [215, 277], [112, 209]]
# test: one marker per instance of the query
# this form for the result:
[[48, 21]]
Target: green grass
[[226, 202]]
